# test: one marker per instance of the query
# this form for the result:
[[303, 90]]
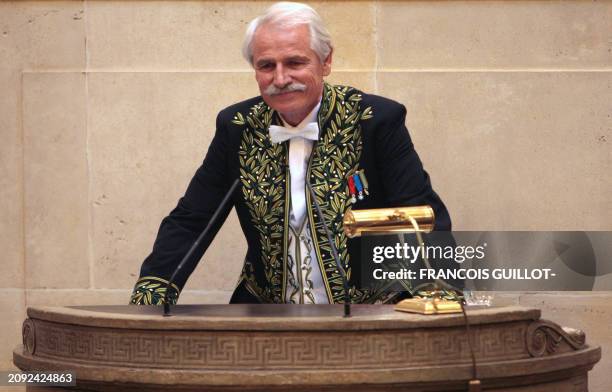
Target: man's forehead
[[283, 56]]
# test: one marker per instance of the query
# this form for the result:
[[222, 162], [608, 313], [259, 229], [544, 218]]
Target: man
[[351, 147]]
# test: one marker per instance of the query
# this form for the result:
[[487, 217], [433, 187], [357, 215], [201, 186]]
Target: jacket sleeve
[[404, 180], [179, 230]]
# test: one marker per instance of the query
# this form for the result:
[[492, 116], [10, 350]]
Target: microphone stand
[[347, 296], [196, 244]]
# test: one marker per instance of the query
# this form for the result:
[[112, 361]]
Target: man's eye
[[265, 66]]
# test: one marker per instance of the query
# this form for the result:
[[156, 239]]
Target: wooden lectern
[[303, 348]]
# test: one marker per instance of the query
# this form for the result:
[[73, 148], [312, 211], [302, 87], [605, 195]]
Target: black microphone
[[197, 242], [347, 296]]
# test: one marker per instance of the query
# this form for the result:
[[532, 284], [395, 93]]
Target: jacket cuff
[[150, 290]]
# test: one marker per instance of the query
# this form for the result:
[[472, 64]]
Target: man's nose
[[281, 77]]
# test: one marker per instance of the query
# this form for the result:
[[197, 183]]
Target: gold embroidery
[[150, 290], [263, 174], [335, 157]]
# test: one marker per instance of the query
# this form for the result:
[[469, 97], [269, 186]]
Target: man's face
[[289, 73]]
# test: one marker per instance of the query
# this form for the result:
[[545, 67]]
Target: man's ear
[[327, 63]]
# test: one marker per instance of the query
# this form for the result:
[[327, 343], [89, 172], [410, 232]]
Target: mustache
[[273, 90]]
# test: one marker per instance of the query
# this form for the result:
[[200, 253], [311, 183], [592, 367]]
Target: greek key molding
[[277, 350]]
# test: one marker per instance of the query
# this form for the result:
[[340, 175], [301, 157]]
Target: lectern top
[[271, 317]]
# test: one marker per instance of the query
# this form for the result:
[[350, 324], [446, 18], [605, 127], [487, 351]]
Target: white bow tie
[[279, 134]]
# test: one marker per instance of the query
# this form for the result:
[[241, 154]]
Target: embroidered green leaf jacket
[[358, 132]]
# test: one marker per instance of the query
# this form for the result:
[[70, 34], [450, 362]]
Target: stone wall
[[107, 108]]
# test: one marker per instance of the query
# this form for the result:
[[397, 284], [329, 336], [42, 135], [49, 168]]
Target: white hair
[[288, 14]]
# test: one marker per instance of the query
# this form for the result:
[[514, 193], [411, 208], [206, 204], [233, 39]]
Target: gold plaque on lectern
[[428, 306]]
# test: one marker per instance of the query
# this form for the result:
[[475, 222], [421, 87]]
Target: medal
[[351, 184], [364, 181], [359, 186]]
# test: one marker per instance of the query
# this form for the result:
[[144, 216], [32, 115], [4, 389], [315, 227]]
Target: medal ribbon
[[351, 184], [358, 183], [364, 181]]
